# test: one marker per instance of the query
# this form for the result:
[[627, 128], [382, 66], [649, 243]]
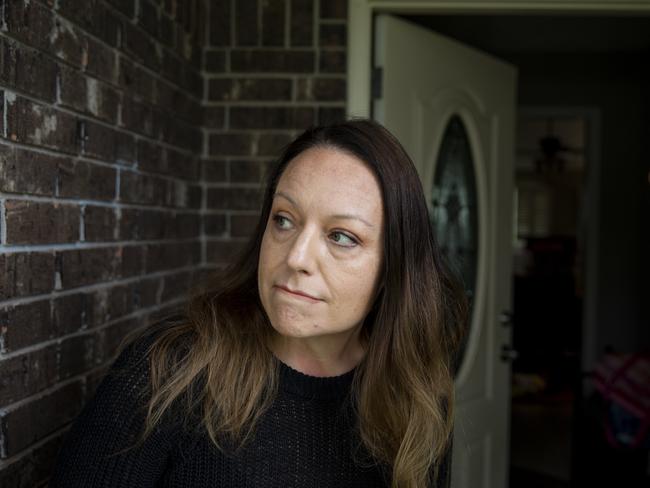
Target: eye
[[344, 240], [281, 222]]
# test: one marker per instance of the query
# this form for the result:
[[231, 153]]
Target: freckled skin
[[335, 259]]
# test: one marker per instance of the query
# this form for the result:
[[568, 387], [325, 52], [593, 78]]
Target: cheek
[[356, 286]]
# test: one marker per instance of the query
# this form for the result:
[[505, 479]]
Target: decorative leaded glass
[[454, 206]]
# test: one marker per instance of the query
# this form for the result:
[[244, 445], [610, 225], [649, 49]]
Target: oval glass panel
[[454, 214]]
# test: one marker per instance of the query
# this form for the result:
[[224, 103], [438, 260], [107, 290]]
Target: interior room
[[579, 266]]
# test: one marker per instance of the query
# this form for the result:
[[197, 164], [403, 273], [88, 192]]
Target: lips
[[297, 292]]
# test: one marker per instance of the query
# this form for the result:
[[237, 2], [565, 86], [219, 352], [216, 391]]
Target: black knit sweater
[[305, 439]]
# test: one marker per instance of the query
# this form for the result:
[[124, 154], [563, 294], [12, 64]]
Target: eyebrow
[[336, 216]]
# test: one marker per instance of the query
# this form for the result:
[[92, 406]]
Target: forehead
[[332, 177]]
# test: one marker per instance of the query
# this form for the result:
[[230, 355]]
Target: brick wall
[[134, 136], [272, 68], [100, 199]]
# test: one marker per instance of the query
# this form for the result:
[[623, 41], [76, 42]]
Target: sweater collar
[[314, 387]]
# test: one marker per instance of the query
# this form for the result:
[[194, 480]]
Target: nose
[[302, 254]]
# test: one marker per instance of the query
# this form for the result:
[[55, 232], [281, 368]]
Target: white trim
[[360, 14]]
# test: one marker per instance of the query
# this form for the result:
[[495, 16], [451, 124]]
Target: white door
[[453, 108]]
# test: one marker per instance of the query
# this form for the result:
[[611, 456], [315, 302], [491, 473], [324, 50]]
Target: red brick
[[270, 144], [185, 107], [167, 32], [127, 7], [80, 267], [322, 89], [180, 134], [34, 420], [2, 112], [234, 198], [150, 156], [215, 61], [34, 467], [139, 44], [214, 224], [187, 226], [30, 22], [102, 61], [220, 22], [235, 144], [302, 22], [77, 355], [173, 68], [24, 274], [28, 374], [214, 170], [331, 115], [223, 252], [143, 189], [169, 256], [176, 286], [32, 123], [41, 222], [273, 22], [132, 262], [27, 172], [27, 70], [103, 101], [245, 171], [111, 337], [246, 23], [243, 225], [182, 165], [129, 224], [99, 223], [69, 43], [88, 95], [145, 292], [148, 18], [229, 89], [213, 117], [79, 179], [193, 80], [137, 116], [272, 61], [99, 141], [334, 9], [69, 313], [333, 35], [271, 117], [332, 61], [24, 325], [136, 80], [72, 89], [194, 197], [93, 16], [120, 302]]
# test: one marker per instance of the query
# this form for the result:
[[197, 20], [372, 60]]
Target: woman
[[322, 357]]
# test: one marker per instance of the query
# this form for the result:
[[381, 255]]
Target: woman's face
[[324, 238]]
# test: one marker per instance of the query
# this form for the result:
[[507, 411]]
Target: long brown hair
[[215, 356]]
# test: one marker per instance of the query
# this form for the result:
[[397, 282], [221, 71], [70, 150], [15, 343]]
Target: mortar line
[[80, 246], [98, 203], [15, 302]]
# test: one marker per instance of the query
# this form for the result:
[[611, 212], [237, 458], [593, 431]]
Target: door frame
[[592, 186], [361, 13]]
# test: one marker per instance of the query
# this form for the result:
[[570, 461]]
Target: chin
[[293, 329]]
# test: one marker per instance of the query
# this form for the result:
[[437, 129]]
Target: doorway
[[582, 71]]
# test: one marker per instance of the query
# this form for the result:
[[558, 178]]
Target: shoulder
[[158, 342]]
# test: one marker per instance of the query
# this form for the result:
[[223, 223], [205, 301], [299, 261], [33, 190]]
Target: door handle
[[505, 318], [508, 354]]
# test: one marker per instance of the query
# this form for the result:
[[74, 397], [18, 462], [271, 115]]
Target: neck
[[320, 356]]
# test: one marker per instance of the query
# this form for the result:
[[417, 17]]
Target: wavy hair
[[216, 356]]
